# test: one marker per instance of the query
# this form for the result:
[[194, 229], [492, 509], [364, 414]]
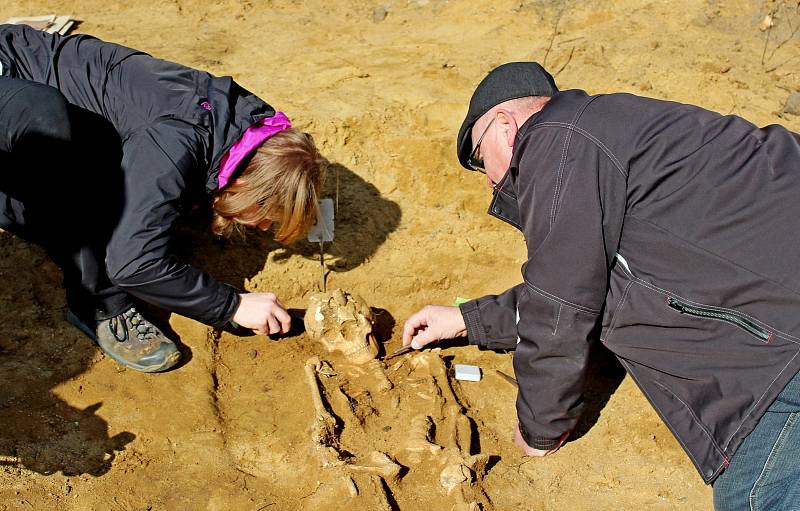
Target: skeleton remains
[[439, 440], [342, 322], [462, 473]]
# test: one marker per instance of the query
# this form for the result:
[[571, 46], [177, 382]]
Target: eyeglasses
[[474, 162]]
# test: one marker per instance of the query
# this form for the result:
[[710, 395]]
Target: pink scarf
[[253, 137]]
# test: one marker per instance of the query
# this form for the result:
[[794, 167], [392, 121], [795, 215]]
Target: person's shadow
[[38, 351], [603, 376], [62, 194], [363, 221]]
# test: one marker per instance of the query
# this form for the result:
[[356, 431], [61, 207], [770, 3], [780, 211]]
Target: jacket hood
[[233, 109]]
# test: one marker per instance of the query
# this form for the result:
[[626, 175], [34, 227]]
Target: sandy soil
[[382, 86]]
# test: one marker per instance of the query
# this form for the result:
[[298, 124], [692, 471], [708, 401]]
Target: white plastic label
[[323, 229], [468, 372]]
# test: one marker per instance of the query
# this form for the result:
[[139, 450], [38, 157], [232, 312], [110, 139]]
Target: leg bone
[[419, 436], [379, 464], [323, 431]]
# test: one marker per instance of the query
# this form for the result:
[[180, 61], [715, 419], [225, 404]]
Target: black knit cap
[[508, 81]]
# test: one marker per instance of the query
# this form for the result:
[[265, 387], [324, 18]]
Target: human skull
[[342, 322]]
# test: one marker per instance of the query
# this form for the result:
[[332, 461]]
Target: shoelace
[[131, 321]]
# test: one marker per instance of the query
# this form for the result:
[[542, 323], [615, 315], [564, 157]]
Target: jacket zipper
[[728, 317]]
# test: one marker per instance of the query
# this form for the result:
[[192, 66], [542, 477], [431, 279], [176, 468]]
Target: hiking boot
[[132, 341]]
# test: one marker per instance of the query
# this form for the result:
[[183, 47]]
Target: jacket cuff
[[538, 442], [472, 319], [233, 301]]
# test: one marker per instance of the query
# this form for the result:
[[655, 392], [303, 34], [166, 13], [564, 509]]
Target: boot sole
[[169, 362]]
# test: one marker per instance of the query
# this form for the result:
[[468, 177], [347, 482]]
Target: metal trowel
[[322, 232], [398, 352]]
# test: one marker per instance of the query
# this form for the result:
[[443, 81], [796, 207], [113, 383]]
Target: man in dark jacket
[[102, 148], [666, 231]]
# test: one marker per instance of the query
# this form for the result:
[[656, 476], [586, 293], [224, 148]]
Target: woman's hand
[[433, 323], [263, 313]]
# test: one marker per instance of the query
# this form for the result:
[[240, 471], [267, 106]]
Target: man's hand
[[263, 313], [530, 451], [433, 323]]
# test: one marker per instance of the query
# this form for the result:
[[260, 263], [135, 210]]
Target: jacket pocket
[[718, 314]]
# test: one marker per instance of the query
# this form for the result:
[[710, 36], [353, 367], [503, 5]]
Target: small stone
[[792, 104], [380, 13], [387, 428], [766, 23], [66, 488], [454, 475], [252, 354]]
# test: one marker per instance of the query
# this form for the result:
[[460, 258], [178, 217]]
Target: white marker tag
[[468, 372], [323, 229]]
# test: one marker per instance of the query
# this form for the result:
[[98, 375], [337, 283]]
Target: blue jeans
[[764, 474]]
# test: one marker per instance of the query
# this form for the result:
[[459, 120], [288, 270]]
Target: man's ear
[[507, 125]]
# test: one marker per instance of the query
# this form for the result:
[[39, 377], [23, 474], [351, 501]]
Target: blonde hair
[[282, 183]]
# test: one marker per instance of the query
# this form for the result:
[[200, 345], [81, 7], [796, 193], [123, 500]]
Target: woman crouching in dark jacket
[[103, 148]]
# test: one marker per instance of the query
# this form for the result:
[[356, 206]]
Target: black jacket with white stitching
[[668, 232]]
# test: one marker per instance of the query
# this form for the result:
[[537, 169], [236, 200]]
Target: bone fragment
[[351, 486], [464, 503], [323, 431], [344, 403], [397, 365], [433, 363], [379, 464], [355, 371], [375, 367], [478, 463], [419, 436], [461, 433], [453, 476], [325, 369], [380, 494]]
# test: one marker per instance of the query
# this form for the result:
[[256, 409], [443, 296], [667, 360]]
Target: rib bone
[[376, 368]]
